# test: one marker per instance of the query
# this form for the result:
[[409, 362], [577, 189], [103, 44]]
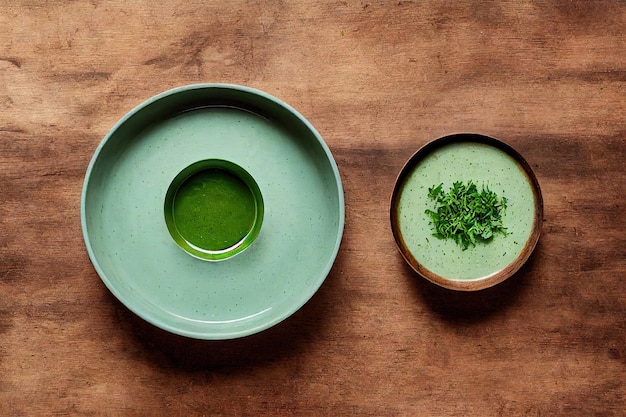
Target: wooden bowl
[[487, 162]]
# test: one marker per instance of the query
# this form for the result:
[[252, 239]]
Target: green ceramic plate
[[123, 222], [489, 163]]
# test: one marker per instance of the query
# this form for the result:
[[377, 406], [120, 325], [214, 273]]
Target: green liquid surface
[[485, 165], [214, 209]]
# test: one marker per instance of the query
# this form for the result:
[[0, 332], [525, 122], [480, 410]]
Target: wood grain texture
[[378, 80]]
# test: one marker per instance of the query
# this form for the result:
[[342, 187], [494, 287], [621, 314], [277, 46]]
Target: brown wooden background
[[378, 79]]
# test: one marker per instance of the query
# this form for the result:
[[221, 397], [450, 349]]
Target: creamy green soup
[[485, 165]]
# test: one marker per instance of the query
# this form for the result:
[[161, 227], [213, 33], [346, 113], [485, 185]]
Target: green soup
[[214, 209], [485, 165]]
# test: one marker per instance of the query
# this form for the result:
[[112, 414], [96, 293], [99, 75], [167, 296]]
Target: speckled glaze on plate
[[127, 238], [487, 162]]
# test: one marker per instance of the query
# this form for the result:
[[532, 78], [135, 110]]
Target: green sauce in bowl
[[213, 209]]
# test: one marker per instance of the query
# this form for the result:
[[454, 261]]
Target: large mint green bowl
[[127, 237]]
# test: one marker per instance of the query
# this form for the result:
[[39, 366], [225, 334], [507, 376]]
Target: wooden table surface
[[378, 79]]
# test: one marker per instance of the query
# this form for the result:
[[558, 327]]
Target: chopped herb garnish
[[465, 214]]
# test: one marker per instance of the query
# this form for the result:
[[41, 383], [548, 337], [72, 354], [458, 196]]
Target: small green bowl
[[213, 209]]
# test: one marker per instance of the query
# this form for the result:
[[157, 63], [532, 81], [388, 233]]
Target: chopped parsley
[[465, 214]]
